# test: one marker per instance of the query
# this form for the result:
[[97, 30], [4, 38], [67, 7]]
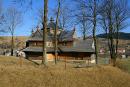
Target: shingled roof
[[37, 49], [66, 35], [79, 46], [63, 36]]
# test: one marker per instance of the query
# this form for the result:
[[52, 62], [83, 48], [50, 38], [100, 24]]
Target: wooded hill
[[122, 35]]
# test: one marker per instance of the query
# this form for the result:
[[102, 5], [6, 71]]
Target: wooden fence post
[[20, 61], [65, 62]]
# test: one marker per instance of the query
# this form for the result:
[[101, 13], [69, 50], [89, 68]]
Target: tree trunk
[[113, 61], [94, 31], [83, 23], [84, 32], [56, 29], [112, 47], [12, 44], [44, 59], [117, 42], [117, 35], [111, 32]]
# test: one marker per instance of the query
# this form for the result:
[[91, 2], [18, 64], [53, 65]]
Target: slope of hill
[[8, 38], [29, 75], [19, 41], [122, 35], [124, 64]]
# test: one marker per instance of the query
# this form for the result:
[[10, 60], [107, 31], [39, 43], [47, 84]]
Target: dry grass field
[[31, 75], [124, 64]]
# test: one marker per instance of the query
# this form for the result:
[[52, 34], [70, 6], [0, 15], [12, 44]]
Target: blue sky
[[30, 17]]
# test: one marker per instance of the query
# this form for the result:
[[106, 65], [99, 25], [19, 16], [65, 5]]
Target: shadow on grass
[[33, 62]]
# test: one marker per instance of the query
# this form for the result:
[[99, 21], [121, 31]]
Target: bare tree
[[107, 7], [93, 16], [27, 4], [43, 16], [84, 21], [44, 60], [114, 14], [2, 18], [13, 20], [104, 24], [81, 15], [94, 28], [120, 16], [65, 19], [57, 17], [40, 15], [88, 12]]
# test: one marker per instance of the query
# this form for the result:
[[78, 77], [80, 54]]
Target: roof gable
[[36, 35], [64, 35]]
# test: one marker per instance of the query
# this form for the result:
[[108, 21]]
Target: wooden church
[[69, 46]]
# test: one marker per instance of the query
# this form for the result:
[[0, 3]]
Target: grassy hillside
[[7, 38], [19, 41], [30, 75], [124, 64]]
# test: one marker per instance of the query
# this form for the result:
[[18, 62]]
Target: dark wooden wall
[[67, 55]]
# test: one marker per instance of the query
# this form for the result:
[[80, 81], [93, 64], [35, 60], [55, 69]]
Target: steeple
[[38, 28], [74, 32], [51, 19], [32, 31], [74, 28]]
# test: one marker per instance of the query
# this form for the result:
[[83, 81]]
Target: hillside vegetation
[[122, 35], [8, 38], [124, 64], [19, 42], [31, 75]]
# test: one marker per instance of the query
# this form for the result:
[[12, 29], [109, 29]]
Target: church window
[[49, 44]]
